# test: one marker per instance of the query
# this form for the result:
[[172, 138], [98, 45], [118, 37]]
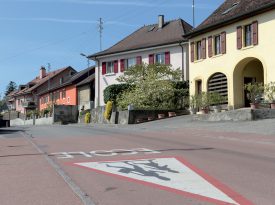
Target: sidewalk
[[27, 178]]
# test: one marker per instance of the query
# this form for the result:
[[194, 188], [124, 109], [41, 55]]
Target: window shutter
[[203, 48], [210, 46], [223, 42], [116, 66], [239, 37], [151, 59], [192, 52], [103, 68], [139, 60], [255, 33], [167, 58], [122, 65]]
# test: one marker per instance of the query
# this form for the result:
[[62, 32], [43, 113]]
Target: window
[[198, 50], [110, 67], [248, 35], [63, 94], [130, 62], [51, 97], [61, 80], [217, 43], [160, 58]]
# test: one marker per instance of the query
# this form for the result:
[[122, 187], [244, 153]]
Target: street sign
[[172, 174]]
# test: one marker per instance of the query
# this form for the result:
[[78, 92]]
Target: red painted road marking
[[165, 173]]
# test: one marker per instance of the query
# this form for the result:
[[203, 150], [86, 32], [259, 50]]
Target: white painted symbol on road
[[104, 153], [167, 173]]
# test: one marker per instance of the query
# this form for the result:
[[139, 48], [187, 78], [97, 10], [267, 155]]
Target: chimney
[[161, 21], [42, 72]]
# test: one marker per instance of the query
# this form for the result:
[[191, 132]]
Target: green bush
[[155, 87], [113, 91]]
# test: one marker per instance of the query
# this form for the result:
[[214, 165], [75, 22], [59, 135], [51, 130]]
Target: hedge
[[112, 91]]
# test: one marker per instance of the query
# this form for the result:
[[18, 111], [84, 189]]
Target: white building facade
[[110, 64]]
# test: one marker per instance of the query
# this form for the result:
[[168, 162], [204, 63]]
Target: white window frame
[[110, 66], [198, 50], [217, 45], [160, 60], [245, 36], [128, 64]]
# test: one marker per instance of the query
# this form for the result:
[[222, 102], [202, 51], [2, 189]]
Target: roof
[[232, 11], [150, 36], [74, 79], [38, 82], [86, 81]]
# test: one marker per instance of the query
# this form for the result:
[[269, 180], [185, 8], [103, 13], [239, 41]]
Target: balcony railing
[[29, 104]]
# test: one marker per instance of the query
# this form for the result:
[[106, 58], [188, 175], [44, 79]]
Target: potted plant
[[269, 91], [193, 104], [216, 99], [255, 91], [204, 102]]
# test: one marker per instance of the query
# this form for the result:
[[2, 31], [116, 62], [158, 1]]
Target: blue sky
[[37, 32]]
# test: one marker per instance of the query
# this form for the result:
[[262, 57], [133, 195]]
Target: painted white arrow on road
[[167, 173]]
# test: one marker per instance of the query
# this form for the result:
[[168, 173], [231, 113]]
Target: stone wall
[[65, 114]]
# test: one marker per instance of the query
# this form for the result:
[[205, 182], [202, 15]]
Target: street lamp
[[88, 60]]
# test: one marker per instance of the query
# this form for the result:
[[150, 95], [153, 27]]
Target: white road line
[[75, 188]]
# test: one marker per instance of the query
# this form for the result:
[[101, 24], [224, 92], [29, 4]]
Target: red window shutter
[[239, 37], [122, 65], [139, 60], [255, 33], [103, 68], [210, 46], [116, 66], [167, 58], [223, 42], [151, 59], [192, 52], [203, 48]]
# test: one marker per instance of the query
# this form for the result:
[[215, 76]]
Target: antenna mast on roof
[[193, 6], [100, 29]]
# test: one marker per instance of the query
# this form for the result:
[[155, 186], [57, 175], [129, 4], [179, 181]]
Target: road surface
[[174, 161]]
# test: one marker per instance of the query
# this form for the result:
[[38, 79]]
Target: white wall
[[176, 60]]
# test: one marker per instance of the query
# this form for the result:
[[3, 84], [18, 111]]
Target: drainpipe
[[98, 82], [182, 59]]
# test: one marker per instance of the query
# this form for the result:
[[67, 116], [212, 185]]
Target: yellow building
[[235, 45]]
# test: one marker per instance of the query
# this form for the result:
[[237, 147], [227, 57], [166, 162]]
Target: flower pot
[[254, 106], [193, 111], [161, 116], [205, 111], [172, 114], [272, 106], [217, 109], [150, 118]]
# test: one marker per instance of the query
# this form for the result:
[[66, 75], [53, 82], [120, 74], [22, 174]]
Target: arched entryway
[[248, 70], [218, 83]]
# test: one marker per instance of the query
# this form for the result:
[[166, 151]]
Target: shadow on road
[[4, 131]]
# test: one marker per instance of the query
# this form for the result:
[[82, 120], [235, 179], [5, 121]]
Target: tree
[[153, 87], [10, 88], [3, 105]]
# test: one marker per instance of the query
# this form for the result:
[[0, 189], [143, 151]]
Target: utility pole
[[193, 6], [100, 29]]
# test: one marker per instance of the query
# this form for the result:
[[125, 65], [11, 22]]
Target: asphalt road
[[169, 162]]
